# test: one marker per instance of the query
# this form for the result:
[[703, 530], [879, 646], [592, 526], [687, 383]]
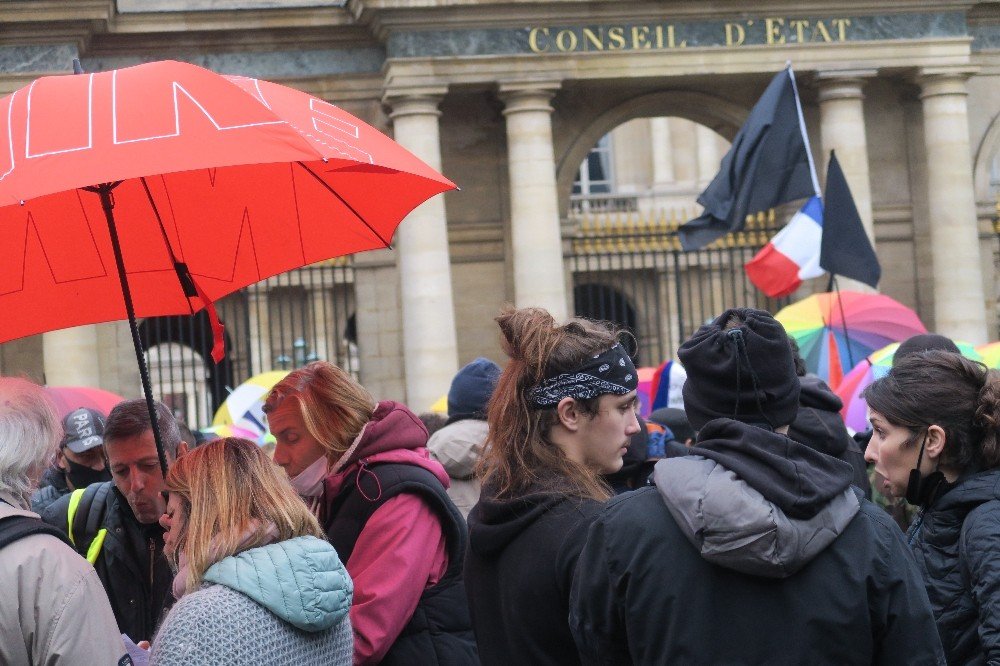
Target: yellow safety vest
[[94, 550]]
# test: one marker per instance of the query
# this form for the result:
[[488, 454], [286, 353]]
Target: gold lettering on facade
[[533, 40], [640, 37], [772, 27], [800, 29], [616, 38], [775, 31], [672, 39], [596, 39], [842, 28], [735, 34], [822, 31], [566, 40]]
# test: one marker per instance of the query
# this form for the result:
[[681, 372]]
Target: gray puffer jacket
[[458, 447], [956, 542], [282, 604]]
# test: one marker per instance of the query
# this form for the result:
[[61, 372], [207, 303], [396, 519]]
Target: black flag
[[766, 166], [845, 248]]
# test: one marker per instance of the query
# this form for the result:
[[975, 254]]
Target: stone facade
[[508, 98]]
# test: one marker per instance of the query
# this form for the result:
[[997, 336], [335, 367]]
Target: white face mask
[[309, 482]]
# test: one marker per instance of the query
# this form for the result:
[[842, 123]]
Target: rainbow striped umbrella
[[875, 366], [991, 354], [834, 334]]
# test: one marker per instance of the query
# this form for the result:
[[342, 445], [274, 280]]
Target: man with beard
[[115, 524]]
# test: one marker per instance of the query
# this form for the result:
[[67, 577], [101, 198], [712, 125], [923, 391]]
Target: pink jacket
[[402, 549]]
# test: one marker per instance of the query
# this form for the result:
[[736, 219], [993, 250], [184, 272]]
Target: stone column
[[536, 239], [708, 154], [959, 301], [663, 159], [71, 358], [842, 128], [430, 347]]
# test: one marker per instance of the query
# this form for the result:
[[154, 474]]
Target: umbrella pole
[[108, 204], [843, 321]]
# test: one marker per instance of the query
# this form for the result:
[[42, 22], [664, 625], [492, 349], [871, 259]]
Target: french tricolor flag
[[792, 255]]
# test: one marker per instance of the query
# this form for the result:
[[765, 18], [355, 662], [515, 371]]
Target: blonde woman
[[255, 582]]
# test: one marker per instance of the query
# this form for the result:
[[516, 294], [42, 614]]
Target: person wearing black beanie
[[762, 533]]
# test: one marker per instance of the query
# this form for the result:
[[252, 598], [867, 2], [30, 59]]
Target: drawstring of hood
[[357, 481], [743, 355]]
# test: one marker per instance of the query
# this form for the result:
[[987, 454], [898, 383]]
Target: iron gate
[[628, 267], [279, 324]]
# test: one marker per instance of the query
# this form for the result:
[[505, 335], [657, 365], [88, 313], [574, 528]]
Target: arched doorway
[[632, 190], [605, 303], [183, 376]]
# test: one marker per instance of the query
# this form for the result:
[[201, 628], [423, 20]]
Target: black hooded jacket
[[818, 425], [518, 573], [751, 549], [956, 542]]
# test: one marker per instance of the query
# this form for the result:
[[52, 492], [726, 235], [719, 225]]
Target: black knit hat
[[923, 342], [744, 373]]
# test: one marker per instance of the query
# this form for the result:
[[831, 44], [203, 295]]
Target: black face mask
[[922, 490], [82, 476]]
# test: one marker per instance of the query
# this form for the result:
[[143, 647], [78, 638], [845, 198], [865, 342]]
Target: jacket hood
[[493, 523], [458, 446], [818, 423], [755, 501], [392, 426], [301, 581], [814, 392], [796, 478], [394, 434]]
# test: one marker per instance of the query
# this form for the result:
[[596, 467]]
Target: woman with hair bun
[[561, 416], [936, 441]]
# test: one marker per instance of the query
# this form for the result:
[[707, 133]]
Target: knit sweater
[[286, 603]]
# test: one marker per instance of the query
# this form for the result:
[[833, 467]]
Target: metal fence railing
[[629, 268], [278, 324]]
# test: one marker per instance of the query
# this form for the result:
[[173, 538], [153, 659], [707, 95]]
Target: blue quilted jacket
[[285, 603]]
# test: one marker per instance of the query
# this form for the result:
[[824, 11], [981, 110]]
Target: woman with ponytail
[[936, 420], [561, 416]]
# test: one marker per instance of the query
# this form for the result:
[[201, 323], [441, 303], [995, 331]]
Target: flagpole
[[802, 128]]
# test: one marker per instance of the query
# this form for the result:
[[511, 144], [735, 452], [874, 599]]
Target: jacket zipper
[[152, 554]]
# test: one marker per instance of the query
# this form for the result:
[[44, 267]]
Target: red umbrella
[[68, 398], [157, 189]]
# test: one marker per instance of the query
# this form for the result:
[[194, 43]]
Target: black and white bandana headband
[[609, 372]]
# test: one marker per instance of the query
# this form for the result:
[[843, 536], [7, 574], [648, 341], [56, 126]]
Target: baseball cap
[[84, 429]]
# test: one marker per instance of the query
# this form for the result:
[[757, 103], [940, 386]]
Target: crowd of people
[[543, 522]]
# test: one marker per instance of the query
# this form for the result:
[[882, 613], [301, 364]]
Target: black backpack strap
[[13, 528], [89, 515]]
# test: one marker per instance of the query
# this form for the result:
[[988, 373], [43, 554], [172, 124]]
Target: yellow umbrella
[[440, 405], [244, 406]]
